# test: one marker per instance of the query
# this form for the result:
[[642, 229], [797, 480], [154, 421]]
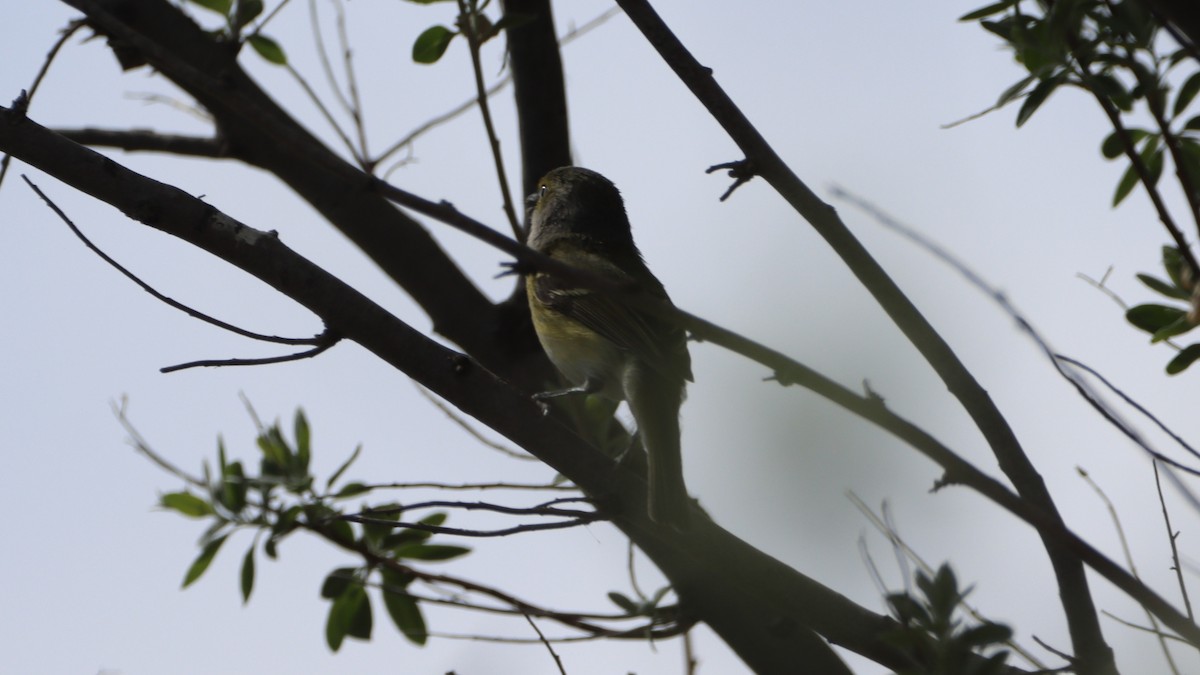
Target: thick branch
[[538, 87], [1093, 652], [255, 129], [760, 606]]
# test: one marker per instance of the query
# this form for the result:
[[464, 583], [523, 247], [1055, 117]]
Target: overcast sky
[[850, 94]]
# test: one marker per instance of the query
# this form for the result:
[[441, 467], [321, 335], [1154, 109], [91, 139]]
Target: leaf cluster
[[279, 500], [237, 15], [1111, 49], [944, 643]]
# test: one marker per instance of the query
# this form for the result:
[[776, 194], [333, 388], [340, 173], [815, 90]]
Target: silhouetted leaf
[[431, 44], [268, 49]]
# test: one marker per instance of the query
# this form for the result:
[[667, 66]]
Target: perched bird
[[597, 340]]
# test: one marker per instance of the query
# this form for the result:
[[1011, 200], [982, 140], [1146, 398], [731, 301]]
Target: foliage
[[238, 14], [280, 500], [944, 642], [1113, 49]]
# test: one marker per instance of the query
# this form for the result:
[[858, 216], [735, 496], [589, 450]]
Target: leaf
[[202, 561], [222, 7], [1125, 185], [1183, 359], [362, 621], [247, 11], [1173, 263], [431, 552], [1187, 92], [351, 490], [1177, 327], [303, 438], [268, 49], [621, 600], [1153, 318], [1014, 91], [337, 581], [431, 44], [342, 469], [1193, 124], [1112, 147], [343, 614], [1037, 97], [233, 487], [402, 607], [186, 503], [247, 576], [986, 634], [988, 10], [1156, 284]]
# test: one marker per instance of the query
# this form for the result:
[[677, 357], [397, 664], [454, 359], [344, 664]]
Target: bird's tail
[[655, 407]]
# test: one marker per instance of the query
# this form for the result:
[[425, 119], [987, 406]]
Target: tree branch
[[1090, 647]]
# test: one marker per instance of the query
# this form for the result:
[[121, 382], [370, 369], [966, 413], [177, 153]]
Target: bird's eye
[[542, 191]]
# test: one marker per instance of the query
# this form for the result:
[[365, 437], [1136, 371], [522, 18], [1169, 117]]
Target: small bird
[[597, 340]]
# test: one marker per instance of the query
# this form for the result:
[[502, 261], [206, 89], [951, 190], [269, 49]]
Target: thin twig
[[356, 107], [1156, 631], [468, 486], [1116, 519], [546, 642], [463, 532], [474, 433], [140, 444], [316, 340], [221, 363], [468, 20], [27, 96], [1132, 403], [323, 54], [1171, 536], [567, 38]]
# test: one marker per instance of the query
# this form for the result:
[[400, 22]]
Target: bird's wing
[[655, 340]]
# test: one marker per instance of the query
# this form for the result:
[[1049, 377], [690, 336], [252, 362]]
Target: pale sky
[[852, 94]]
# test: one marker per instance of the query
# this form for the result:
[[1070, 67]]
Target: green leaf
[[1112, 147], [351, 490], [186, 503], [233, 487], [342, 469], [1177, 327], [222, 7], [1186, 357], [1014, 91], [986, 634], [1163, 287], [988, 10], [337, 581], [1125, 185], [343, 614], [247, 11], [1173, 263], [1153, 318], [431, 552], [1187, 92], [1037, 97], [431, 44], [1193, 124], [362, 621], [627, 605], [402, 607], [303, 438], [247, 577], [268, 49], [203, 560]]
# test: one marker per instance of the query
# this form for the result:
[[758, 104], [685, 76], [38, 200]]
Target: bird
[[600, 342]]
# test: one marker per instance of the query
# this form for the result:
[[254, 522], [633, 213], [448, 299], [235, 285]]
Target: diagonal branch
[[1089, 645]]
